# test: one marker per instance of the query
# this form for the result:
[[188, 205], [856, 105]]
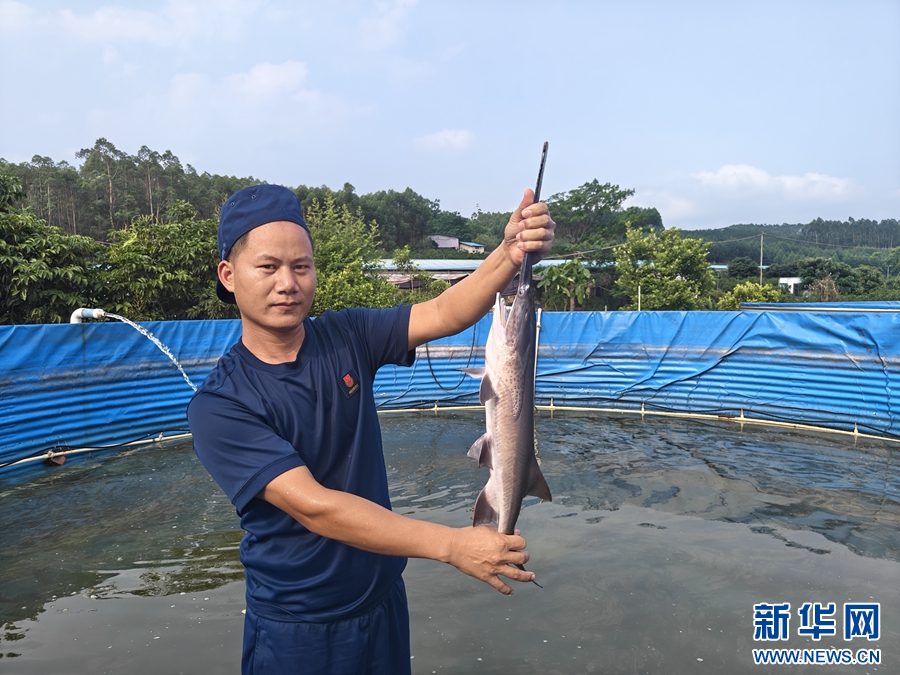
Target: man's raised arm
[[530, 229]]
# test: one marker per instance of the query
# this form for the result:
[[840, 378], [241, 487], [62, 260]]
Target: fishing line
[[468, 363]]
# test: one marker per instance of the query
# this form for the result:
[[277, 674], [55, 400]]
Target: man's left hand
[[530, 228]]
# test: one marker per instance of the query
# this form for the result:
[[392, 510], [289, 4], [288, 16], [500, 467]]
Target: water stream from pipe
[[150, 336]]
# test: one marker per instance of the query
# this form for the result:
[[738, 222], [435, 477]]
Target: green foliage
[[585, 217], [867, 280], [565, 285], [855, 242], [487, 226], [749, 291], [44, 273], [403, 261], [156, 271], [402, 217], [421, 286], [742, 268], [346, 256], [111, 188], [846, 280], [672, 272], [852, 233], [157, 218], [636, 217], [11, 192], [346, 196], [824, 289]]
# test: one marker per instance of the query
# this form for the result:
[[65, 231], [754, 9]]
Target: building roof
[[455, 265]]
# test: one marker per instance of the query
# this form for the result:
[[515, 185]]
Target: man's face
[[273, 277]]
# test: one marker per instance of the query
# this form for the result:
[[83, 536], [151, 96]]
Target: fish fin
[[539, 487], [481, 450], [484, 512], [486, 392], [477, 373]]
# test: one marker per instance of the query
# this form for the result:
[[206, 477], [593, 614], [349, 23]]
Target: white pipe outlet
[[84, 313]]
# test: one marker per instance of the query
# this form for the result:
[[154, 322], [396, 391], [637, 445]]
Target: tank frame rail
[[436, 409], [52, 456], [741, 419]]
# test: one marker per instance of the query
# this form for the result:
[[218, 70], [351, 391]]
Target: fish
[[507, 392]]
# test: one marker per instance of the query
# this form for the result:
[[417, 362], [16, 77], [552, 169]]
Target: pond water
[[661, 537]]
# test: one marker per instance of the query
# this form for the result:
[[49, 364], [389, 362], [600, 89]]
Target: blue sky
[[713, 112]]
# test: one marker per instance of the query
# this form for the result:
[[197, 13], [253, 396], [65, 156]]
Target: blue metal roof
[[452, 265]]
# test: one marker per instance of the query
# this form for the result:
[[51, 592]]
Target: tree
[[742, 268], [149, 165], [749, 291], [346, 196], [11, 193], [824, 289], [570, 283], [582, 215], [488, 226], [422, 286], [43, 271], [156, 271], [638, 217], [346, 255], [668, 271], [402, 217], [111, 188], [867, 279], [103, 163]]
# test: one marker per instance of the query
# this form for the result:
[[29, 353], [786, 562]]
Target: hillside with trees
[[855, 242], [136, 234]]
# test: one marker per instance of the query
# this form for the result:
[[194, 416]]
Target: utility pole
[[760, 257]]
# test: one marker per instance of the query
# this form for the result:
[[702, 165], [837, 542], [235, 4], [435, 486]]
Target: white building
[[790, 282], [443, 241]]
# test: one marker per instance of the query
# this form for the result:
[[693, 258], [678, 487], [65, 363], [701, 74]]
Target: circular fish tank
[[664, 539]]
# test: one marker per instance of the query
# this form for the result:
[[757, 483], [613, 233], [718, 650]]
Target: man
[[286, 424]]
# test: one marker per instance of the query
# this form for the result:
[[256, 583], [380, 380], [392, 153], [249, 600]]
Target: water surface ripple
[[661, 536]]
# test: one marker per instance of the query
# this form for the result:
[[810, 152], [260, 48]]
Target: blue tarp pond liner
[[102, 384]]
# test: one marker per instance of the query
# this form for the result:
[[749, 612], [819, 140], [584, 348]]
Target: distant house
[[791, 283], [451, 271], [446, 241], [443, 241]]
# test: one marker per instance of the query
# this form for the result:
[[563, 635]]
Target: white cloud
[[15, 17], [385, 28], [178, 22], [266, 81], [115, 24], [742, 180], [670, 206], [447, 139], [271, 99]]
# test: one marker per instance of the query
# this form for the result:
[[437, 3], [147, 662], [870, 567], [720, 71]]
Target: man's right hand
[[482, 552]]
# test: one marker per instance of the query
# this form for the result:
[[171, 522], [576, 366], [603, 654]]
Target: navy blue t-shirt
[[252, 421]]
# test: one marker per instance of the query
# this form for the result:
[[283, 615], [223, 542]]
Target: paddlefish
[[507, 392]]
